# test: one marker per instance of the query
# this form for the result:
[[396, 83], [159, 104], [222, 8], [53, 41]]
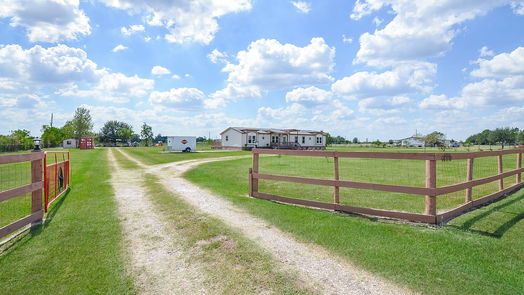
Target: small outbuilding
[[248, 138], [70, 143]]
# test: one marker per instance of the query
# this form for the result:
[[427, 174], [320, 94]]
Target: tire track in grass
[[312, 263], [157, 263]]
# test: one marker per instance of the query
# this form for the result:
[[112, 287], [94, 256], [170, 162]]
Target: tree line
[[503, 136], [112, 133]]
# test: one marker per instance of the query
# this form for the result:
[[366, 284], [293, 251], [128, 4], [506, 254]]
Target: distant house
[[247, 138], [416, 141], [70, 143]]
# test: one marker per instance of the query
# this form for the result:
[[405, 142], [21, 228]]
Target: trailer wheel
[[187, 150]]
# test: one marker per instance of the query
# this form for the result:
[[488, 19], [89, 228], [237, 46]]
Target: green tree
[[355, 140], [503, 136], [329, 139], [125, 134], [520, 137], [146, 134], [80, 126], [21, 139], [111, 132], [52, 136], [435, 138]]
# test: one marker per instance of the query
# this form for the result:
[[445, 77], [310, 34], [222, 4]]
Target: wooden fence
[[35, 188], [51, 178], [430, 192]]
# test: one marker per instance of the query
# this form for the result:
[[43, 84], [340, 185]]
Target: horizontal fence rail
[[34, 188], [430, 191], [46, 178]]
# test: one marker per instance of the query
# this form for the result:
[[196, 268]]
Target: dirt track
[[311, 262]]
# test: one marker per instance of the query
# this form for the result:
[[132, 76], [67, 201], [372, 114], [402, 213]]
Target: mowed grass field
[[78, 250], [159, 155], [382, 171], [480, 252]]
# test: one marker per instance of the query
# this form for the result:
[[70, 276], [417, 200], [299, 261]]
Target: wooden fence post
[[501, 181], [431, 182], [336, 194], [251, 182], [519, 165], [254, 181], [36, 196], [469, 177]]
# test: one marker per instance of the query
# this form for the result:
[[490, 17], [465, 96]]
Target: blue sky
[[368, 69]]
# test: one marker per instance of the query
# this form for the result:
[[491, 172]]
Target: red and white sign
[[184, 141]]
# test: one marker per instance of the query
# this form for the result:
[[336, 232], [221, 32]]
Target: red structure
[[87, 143]]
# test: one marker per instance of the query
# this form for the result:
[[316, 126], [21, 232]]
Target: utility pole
[[51, 125]]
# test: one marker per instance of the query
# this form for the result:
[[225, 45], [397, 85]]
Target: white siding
[[264, 140], [234, 138]]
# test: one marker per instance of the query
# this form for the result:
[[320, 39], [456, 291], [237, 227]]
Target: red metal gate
[[57, 175]]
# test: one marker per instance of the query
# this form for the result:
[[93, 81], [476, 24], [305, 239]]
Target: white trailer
[[181, 143]]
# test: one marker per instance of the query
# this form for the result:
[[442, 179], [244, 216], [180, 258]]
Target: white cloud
[[484, 51], [494, 92], [302, 6], [216, 56], [114, 87], [347, 39], [518, 7], [335, 114], [185, 20], [504, 84], [310, 96], [175, 76], [390, 121], [439, 102], [178, 98], [268, 65], [420, 29], [403, 79], [119, 47], [502, 65], [147, 39], [383, 105], [159, 71], [47, 20], [377, 21], [56, 65], [132, 30], [289, 113]]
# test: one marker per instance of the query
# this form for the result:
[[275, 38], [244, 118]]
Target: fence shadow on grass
[[509, 217], [54, 209], [33, 231]]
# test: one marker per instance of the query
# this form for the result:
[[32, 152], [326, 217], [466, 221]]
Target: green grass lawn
[[480, 252], [158, 155], [79, 248], [383, 171]]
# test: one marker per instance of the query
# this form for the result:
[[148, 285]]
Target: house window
[[296, 139], [251, 139], [69, 142], [263, 138], [303, 139], [319, 140], [227, 138], [274, 139]]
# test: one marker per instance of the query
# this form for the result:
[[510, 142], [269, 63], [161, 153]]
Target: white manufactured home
[[247, 138]]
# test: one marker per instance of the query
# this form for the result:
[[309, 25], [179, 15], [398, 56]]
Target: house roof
[[274, 130]]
